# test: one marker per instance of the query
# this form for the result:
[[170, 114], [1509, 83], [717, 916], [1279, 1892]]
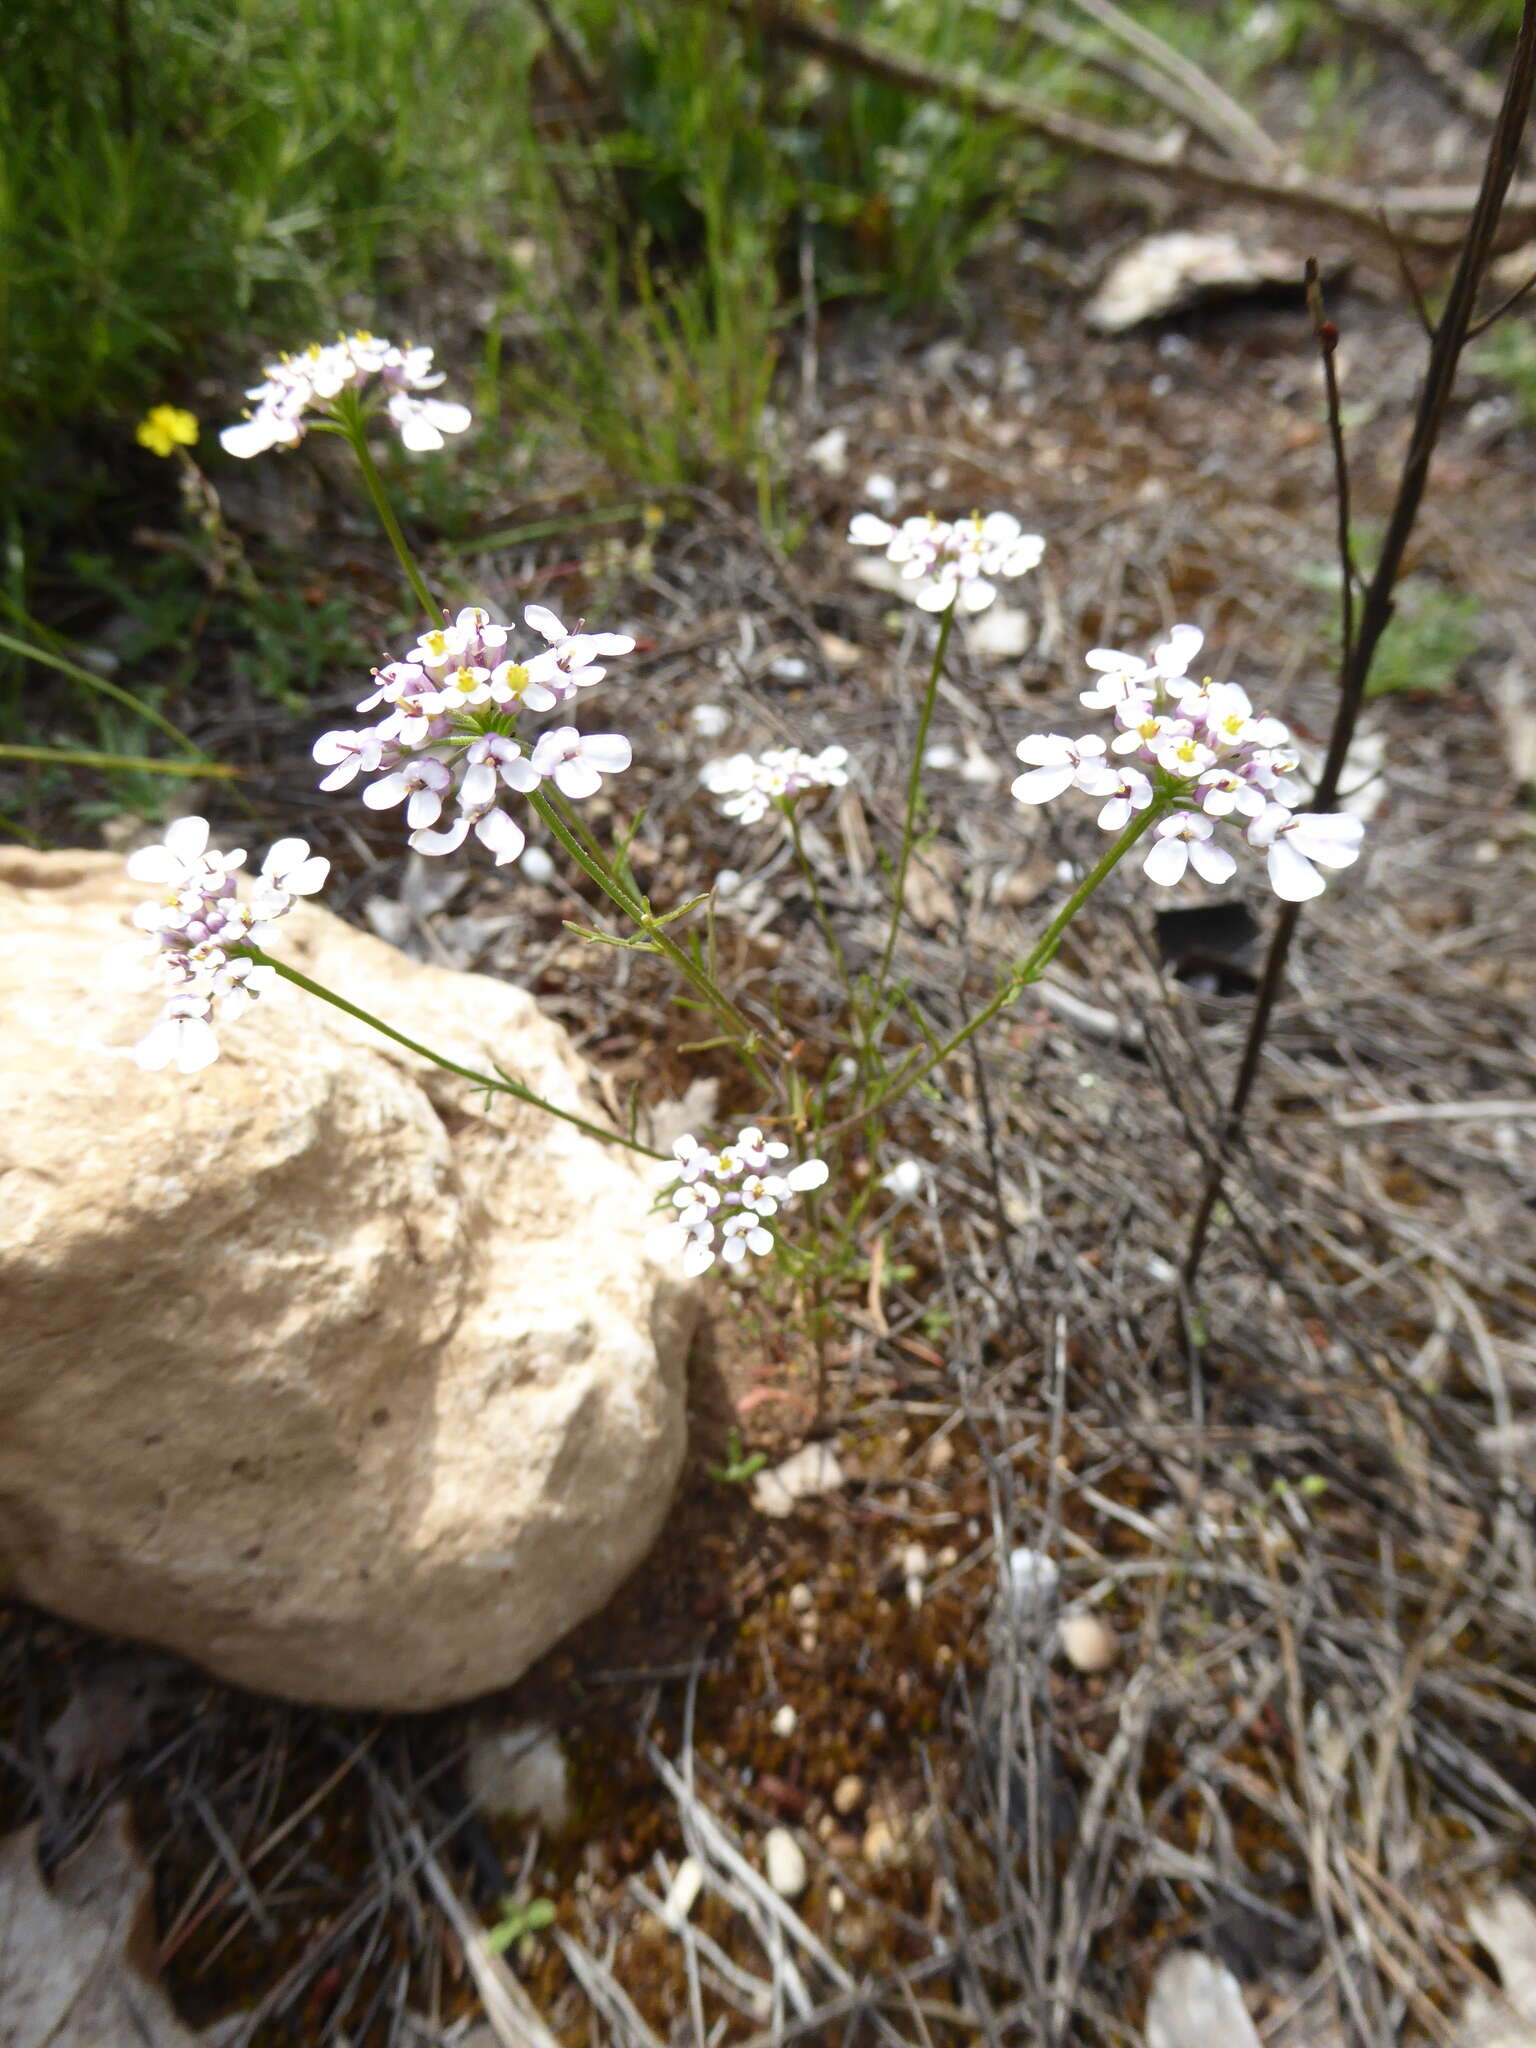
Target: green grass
[[620, 255]]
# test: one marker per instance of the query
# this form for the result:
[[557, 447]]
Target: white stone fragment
[[784, 1861]]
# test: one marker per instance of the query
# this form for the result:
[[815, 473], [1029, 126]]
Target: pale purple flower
[[731, 1192], [1179, 750], [1182, 841], [1294, 840], [312, 380], [446, 735], [570, 662], [1200, 744], [423, 422], [1131, 792], [421, 784], [201, 935], [1057, 764], [952, 562], [347, 755], [751, 785], [576, 763], [183, 1038]]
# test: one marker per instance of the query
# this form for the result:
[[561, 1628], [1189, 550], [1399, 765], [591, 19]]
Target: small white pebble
[[784, 1861], [848, 1796], [914, 1566], [905, 1178], [537, 865], [709, 721], [1032, 1578], [785, 1721], [801, 1599], [1087, 1643], [727, 881], [881, 489], [682, 1892]]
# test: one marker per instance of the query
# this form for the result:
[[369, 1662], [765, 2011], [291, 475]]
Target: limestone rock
[[316, 1370], [1170, 273]]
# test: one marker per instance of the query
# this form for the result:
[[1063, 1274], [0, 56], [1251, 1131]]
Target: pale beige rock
[[314, 1369], [1087, 1643]]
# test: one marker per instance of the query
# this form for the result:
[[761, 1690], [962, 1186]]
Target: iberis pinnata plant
[[445, 745], [202, 932], [732, 1194], [1206, 758], [311, 381], [952, 561], [752, 785]]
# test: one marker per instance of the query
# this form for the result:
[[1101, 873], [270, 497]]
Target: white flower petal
[[1167, 861], [867, 530], [1292, 877], [609, 752]]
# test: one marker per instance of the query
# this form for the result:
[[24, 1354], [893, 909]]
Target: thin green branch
[[921, 1065], [495, 1084], [914, 798], [350, 419], [84, 757]]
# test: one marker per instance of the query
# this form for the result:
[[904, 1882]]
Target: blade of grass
[[82, 757], [103, 688]]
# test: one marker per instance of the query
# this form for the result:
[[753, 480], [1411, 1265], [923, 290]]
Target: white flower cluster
[[733, 1191], [1204, 749], [752, 784], [309, 381], [445, 742], [952, 561], [200, 929]]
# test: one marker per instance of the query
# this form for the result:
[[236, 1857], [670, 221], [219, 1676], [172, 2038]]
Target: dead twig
[[1435, 216], [1466, 89], [1378, 603]]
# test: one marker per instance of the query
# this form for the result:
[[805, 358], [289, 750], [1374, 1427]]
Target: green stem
[[592, 863], [350, 419], [496, 1084], [823, 916], [577, 826], [588, 858], [102, 688], [922, 1064], [80, 757], [914, 798]]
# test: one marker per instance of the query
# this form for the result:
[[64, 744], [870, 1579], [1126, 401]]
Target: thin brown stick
[[1434, 216], [1091, 50], [1377, 608], [1466, 89]]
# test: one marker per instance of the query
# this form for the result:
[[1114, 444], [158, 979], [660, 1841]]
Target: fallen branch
[[1428, 216], [1089, 49], [1466, 89]]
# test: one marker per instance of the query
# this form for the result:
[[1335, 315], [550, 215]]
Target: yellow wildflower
[[165, 428]]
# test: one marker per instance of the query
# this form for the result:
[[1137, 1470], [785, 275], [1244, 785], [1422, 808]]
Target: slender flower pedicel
[[1206, 758], [733, 1191], [202, 934], [311, 381]]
